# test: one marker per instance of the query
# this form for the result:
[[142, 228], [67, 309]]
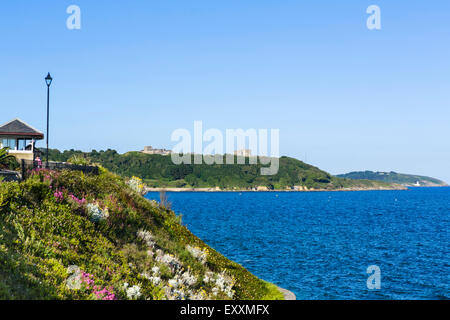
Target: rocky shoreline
[[147, 189], [288, 295]]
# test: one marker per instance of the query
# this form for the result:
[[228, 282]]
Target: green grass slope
[[66, 235], [159, 171]]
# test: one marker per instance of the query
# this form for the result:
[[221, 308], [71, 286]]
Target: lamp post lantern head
[[48, 79]]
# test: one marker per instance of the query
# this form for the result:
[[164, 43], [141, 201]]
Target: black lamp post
[[48, 81]]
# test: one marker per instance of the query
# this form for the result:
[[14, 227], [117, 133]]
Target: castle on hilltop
[[243, 153], [151, 150]]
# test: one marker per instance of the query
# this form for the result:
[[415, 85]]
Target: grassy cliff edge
[[67, 235]]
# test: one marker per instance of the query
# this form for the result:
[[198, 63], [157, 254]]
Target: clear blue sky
[[348, 98]]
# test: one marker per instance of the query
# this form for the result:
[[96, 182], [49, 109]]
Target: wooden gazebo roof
[[19, 129]]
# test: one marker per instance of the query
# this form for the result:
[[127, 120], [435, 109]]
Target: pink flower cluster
[[59, 196], [102, 294], [80, 202], [87, 279], [105, 294], [48, 177], [36, 172]]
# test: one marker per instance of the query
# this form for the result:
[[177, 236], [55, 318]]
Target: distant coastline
[[159, 172], [407, 180]]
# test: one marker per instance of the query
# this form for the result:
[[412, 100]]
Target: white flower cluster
[[95, 213], [198, 253], [180, 287], [199, 295], [173, 293], [187, 279], [171, 261], [221, 282], [136, 184], [133, 292], [175, 288], [147, 237], [155, 277]]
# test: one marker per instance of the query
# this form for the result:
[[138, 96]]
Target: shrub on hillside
[[80, 160]]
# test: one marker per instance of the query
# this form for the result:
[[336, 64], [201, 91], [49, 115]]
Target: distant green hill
[[159, 171], [393, 177]]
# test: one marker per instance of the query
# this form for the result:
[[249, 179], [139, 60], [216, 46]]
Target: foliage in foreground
[[159, 171], [7, 161], [66, 235]]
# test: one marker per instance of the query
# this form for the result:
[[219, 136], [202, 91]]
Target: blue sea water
[[320, 244]]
